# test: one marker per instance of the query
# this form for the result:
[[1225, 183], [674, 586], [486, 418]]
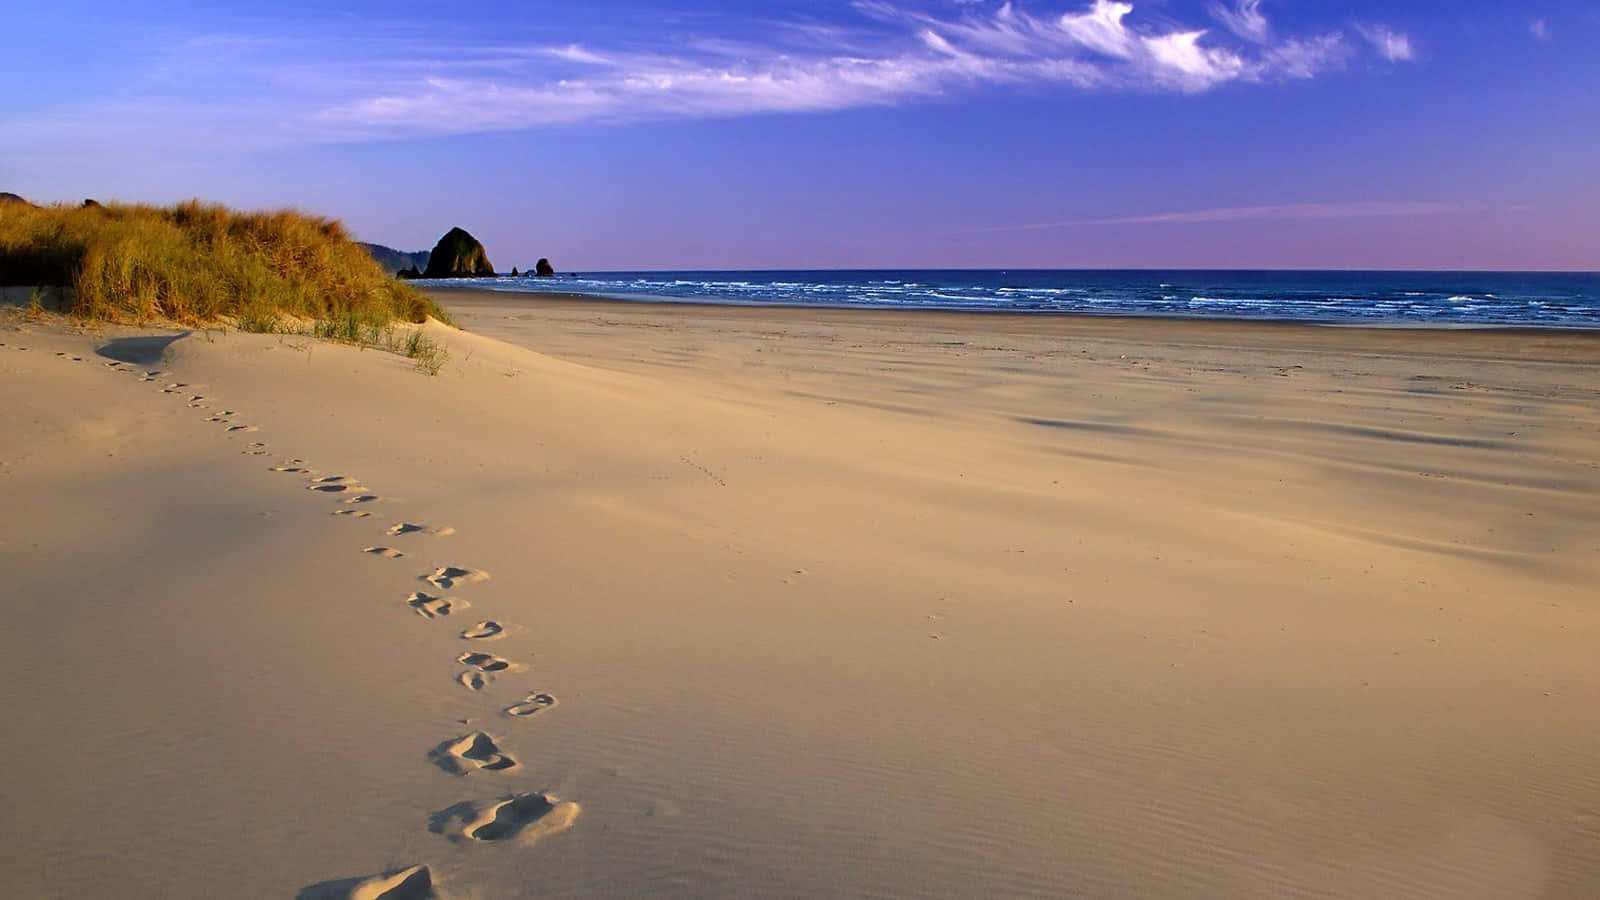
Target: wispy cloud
[[1390, 44], [1540, 29], [1285, 211], [917, 53], [1244, 18], [400, 83]]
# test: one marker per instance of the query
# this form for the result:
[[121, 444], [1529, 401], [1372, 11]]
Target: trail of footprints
[[523, 817]]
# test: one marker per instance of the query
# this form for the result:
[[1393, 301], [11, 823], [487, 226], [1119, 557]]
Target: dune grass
[[428, 354], [203, 264]]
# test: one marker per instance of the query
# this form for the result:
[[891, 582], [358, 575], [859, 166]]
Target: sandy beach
[[732, 602]]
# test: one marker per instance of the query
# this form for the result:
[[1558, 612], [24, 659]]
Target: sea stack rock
[[458, 255], [543, 269]]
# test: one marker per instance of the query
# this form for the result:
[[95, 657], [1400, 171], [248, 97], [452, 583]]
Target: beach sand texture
[[701, 602]]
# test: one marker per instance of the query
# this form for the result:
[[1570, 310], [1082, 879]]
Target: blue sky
[[703, 134]]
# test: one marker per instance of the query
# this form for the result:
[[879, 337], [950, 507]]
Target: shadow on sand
[[139, 351], [413, 883]]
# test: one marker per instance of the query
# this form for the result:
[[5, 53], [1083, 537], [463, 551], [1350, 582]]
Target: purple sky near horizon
[[843, 133]]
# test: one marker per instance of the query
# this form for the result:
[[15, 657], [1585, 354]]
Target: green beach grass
[[204, 265]]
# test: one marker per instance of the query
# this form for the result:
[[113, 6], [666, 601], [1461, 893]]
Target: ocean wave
[[1511, 299]]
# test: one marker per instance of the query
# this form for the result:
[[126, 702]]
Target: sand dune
[[835, 604]]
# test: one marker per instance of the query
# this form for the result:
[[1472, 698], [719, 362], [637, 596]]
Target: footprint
[[476, 752], [385, 552], [431, 607], [474, 681], [363, 498], [219, 416], [447, 577], [255, 448], [336, 487], [290, 467], [486, 662], [414, 883], [487, 630], [244, 428], [331, 479], [413, 528], [526, 817], [195, 398], [353, 513], [531, 705]]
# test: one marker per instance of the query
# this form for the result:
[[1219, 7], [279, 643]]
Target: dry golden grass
[[198, 263]]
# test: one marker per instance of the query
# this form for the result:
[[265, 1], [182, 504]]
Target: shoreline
[[1559, 344], [575, 297]]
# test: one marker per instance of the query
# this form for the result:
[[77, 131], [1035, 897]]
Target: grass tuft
[[428, 354]]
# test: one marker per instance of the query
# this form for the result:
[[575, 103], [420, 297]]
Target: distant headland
[[456, 255]]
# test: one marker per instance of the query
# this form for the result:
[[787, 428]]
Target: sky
[[706, 134]]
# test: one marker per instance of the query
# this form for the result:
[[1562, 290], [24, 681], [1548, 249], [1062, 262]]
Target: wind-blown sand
[[739, 602]]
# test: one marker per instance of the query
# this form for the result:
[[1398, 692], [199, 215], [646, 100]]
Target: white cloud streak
[[1245, 19], [917, 55], [1275, 212], [325, 84], [1390, 44]]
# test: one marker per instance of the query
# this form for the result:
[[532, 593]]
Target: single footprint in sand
[[413, 883], [413, 528], [290, 467], [255, 448], [526, 817], [385, 552], [447, 577], [431, 607], [335, 485], [353, 513], [487, 662], [219, 416], [486, 630], [245, 428], [362, 498], [476, 752], [474, 681], [531, 705]]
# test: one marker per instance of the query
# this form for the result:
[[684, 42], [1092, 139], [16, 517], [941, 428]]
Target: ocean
[[1443, 299]]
